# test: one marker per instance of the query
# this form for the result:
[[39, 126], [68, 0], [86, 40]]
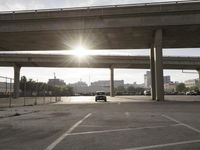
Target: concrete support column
[[16, 80], [152, 67], [111, 82], [158, 65], [199, 77]]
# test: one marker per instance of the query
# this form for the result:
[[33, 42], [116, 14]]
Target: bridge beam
[[158, 65], [152, 68], [16, 81], [111, 82]]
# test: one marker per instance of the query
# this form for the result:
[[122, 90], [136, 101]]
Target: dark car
[[147, 92], [100, 95]]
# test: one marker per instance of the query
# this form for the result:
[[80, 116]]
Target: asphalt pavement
[[122, 123]]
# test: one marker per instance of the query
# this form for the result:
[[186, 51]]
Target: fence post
[[10, 95]]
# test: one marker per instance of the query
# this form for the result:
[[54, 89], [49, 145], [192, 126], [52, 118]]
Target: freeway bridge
[[102, 27], [151, 26], [95, 61]]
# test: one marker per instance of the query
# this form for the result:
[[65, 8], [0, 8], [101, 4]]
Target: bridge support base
[[152, 68], [199, 77], [112, 82], [16, 81], [159, 87]]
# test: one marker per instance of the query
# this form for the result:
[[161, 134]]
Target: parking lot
[[123, 123]]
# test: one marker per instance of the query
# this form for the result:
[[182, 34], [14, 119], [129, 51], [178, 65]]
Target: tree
[[23, 82], [120, 90], [194, 88], [43, 89], [131, 90], [181, 87], [67, 91]]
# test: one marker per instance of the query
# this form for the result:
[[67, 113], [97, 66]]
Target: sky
[[11, 5], [90, 75]]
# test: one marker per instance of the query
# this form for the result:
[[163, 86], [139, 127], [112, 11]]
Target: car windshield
[[101, 93]]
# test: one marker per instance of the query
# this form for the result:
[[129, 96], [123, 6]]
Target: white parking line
[[181, 123], [57, 141], [163, 145], [118, 130]]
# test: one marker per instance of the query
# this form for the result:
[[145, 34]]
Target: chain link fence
[[7, 100]]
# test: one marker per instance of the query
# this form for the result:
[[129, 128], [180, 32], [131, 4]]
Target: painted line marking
[[164, 145], [118, 130], [92, 126], [58, 140], [181, 123]]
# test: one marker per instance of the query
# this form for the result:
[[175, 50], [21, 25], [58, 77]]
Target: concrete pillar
[[111, 82], [158, 65], [16, 81], [152, 67], [199, 77]]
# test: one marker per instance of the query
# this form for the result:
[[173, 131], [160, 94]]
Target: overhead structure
[[138, 26], [102, 27], [96, 61]]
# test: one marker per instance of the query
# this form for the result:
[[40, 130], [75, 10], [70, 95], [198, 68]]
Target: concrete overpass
[[109, 27], [95, 61], [154, 26], [127, 62]]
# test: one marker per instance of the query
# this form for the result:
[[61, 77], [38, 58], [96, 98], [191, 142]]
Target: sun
[[80, 51]]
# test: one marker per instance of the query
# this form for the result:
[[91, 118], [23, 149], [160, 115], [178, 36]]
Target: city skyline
[[131, 75]]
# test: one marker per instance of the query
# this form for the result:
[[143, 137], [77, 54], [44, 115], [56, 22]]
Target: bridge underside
[[96, 61], [109, 38]]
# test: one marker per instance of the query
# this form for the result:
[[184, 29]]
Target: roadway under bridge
[[151, 26]]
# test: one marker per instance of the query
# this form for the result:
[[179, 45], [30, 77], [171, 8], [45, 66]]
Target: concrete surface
[[121, 123]]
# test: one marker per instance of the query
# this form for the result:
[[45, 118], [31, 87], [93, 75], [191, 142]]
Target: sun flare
[[80, 51]]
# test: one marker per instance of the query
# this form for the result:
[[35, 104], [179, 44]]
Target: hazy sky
[[89, 75], [45, 4]]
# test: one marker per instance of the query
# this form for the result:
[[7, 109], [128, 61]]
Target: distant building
[[192, 83], [147, 79], [135, 85], [56, 82], [80, 87], [170, 87], [104, 85], [167, 79]]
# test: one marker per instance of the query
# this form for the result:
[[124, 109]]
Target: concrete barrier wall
[[27, 101]]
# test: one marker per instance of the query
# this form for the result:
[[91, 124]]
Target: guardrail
[[100, 7]]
